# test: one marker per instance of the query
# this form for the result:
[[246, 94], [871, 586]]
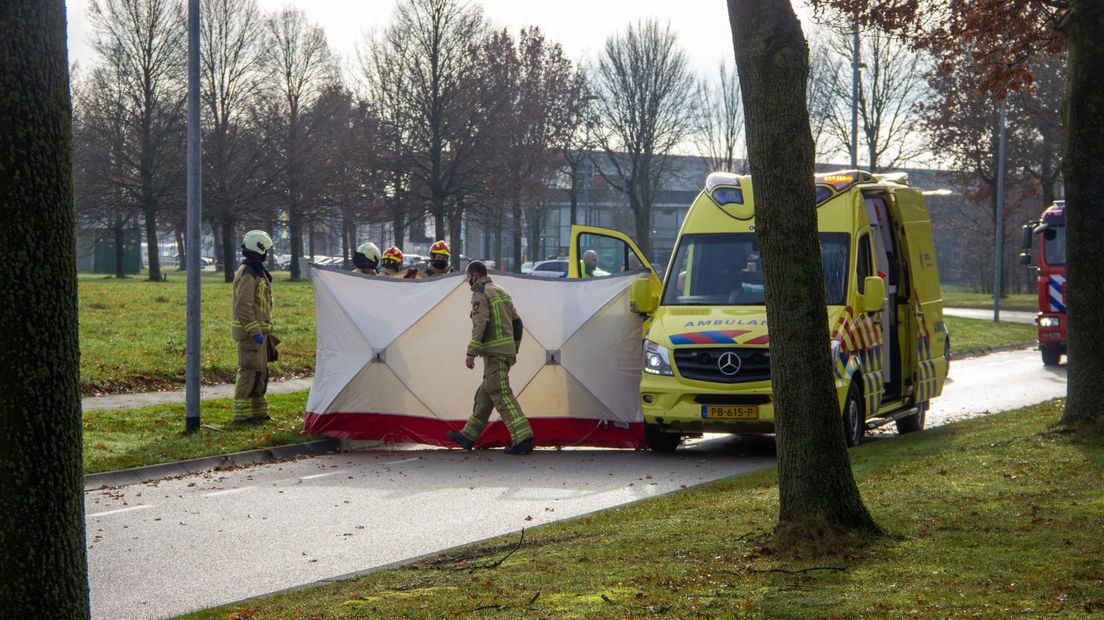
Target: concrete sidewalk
[[207, 392]]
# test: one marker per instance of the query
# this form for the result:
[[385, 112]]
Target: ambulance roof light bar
[[843, 179]]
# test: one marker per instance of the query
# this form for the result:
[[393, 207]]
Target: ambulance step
[[874, 423]]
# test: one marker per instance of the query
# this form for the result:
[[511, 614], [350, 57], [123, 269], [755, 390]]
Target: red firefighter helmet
[[439, 248], [393, 253]]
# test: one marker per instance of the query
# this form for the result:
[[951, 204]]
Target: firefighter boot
[[460, 440], [525, 446]]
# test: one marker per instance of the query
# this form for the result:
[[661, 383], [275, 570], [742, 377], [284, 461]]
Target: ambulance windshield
[[723, 269]]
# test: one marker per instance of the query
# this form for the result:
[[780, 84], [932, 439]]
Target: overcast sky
[[581, 26]]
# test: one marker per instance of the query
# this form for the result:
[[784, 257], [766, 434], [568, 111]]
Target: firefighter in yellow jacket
[[496, 334], [251, 327], [438, 263], [391, 264]]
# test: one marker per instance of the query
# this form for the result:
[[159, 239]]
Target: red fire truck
[[1051, 229]]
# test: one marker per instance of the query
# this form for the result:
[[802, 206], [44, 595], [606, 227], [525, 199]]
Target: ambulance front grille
[[706, 364]]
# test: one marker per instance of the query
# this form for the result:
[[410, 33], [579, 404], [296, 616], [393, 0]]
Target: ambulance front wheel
[[660, 441], [853, 422]]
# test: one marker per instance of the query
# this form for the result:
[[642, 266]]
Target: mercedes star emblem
[[729, 364]]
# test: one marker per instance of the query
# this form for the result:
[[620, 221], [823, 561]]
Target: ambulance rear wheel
[[1051, 357], [853, 422], [914, 422], [660, 441]]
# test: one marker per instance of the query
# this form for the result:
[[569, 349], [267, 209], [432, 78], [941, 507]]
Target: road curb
[[957, 355], [193, 466]]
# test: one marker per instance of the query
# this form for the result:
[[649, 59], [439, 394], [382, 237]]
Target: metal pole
[[855, 96], [191, 372], [588, 176], [998, 220]]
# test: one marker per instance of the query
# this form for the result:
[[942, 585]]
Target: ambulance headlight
[[656, 359], [1049, 321]]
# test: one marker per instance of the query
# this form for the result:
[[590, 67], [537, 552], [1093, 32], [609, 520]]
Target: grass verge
[[990, 517], [962, 297], [974, 334], [122, 438], [132, 331]]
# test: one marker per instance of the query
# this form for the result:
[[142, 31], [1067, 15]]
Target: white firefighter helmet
[[257, 241], [370, 251]]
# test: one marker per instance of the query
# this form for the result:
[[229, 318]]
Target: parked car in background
[[552, 268], [279, 262], [527, 267]]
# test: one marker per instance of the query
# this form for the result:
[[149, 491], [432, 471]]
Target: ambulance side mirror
[[874, 295], [641, 298]]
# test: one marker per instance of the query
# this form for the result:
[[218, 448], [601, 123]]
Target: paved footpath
[[1007, 316], [222, 390]]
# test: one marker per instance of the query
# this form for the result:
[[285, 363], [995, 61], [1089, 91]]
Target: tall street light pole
[[998, 218], [855, 96], [192, 251]]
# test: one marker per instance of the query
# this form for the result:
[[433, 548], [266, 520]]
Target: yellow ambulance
[[706, 357]]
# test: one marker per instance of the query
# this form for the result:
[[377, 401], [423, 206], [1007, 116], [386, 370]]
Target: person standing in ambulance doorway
[[588, 264], [251, 328], [496, 334], [391, 265], [366, 258], [438, 262]]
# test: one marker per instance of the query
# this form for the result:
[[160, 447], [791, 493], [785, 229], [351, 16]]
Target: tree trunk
[[153, 250], [119, 234], [573, 195], [182, 264], [398, 228], [1084, 175], [439, 228], [873, 154], [498, 239], [229, 243], [519, 233], [1046, 170], [642, 218], [295, 233], [346, 239], [816, 486], [456, 242], [43, 570], [216, 236], [535, 217]]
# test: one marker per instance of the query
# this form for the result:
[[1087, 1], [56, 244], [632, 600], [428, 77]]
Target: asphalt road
[[164, 548]]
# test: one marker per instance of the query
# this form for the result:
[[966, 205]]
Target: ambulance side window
[[863, 267], [607, 255]]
